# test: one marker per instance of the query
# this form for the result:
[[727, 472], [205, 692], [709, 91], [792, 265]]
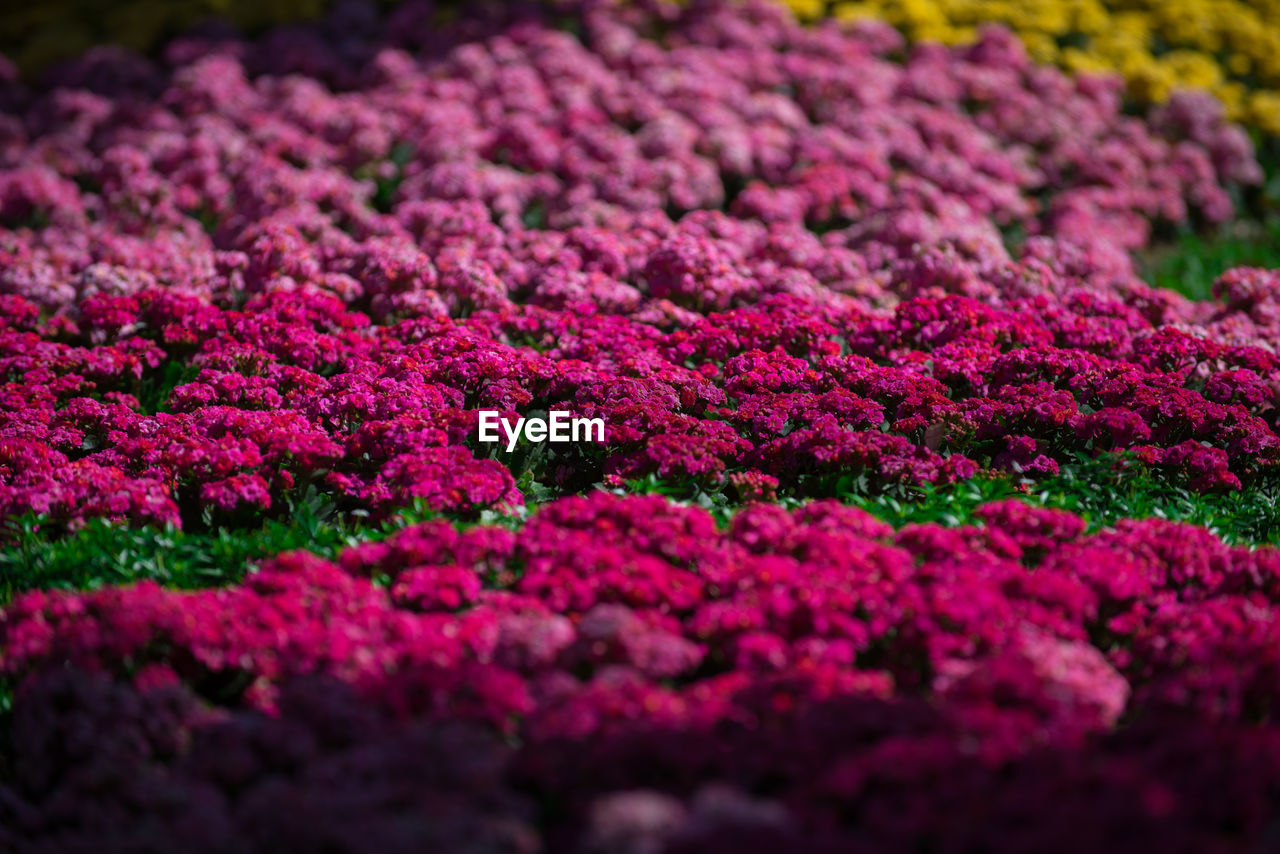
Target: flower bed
[[810, 680], [1225, 47], [209, 309], [778, 263]]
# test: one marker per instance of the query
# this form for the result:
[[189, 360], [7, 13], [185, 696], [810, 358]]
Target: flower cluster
[[765, 255], [1226, 47], [805, 675], [295, 392]]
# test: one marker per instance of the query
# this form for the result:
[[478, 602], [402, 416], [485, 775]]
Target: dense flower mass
[[776, 261], [621, 673], [258, 269], [1229, 48]]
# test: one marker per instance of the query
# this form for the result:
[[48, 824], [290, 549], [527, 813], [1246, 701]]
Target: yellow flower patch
[[1228, 47]]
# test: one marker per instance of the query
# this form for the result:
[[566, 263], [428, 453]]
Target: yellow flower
[[1081, 62], [852, 11], [1228, 47], [1152, 82], [1041, 47], [1264, 111], [1190, 68], [1089, 19], [807, 10]]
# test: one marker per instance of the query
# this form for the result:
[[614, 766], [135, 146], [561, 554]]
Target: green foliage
[[1102, 491], [153, 391], [388, 178], [103, 553], [1191, 263]]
